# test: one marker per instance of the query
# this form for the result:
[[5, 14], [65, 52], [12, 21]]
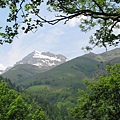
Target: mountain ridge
[[105, 56], [77, 68], [43, 59]]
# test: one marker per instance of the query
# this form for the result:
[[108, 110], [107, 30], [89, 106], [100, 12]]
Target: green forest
[[96, 98], [99, 99]]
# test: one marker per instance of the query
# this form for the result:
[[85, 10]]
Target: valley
[[59, 84]]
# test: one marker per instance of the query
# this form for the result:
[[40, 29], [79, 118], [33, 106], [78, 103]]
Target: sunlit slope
[[66, 74], [19, 73]]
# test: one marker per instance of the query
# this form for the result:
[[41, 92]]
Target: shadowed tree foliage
[[103, 100], [103, 15], [38, 115], [13, 106]]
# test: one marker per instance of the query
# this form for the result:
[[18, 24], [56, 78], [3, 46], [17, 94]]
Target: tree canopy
[[102, 102], [103, 15], [14, 107]]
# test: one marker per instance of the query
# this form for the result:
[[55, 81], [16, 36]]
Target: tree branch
[[98, 6], [96, 15]]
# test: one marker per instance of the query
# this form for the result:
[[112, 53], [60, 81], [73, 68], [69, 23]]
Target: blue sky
[[59, 39]]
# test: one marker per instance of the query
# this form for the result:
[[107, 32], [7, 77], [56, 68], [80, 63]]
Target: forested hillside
[[22, 105], [57, 88]]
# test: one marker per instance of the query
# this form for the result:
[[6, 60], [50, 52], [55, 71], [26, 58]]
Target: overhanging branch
[[95, 15]]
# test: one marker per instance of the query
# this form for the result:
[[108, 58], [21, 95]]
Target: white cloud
[[2, 67], [75, 21]]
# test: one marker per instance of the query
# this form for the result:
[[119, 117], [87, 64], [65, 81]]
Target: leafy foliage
[[38, 115], [103, 15], [103, 100], [19, 10], [13, 106], [26, 106], [18, 109]]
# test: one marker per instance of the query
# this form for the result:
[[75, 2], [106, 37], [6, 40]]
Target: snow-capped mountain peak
[[45, 55], [43, 59]]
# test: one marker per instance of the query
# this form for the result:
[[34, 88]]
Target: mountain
[[20, 72], [68, 73], [85, 66], [60, 84], [44, 60], [35, 62]]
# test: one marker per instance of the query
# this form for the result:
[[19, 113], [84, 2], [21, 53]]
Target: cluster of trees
[[53, 111], [102, 101], [14, 107], [22, 105]]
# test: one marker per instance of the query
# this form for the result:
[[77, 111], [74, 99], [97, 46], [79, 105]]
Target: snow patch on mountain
[[44, 55], [43, 59]]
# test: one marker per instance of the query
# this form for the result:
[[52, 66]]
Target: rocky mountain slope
[[43, 59]]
